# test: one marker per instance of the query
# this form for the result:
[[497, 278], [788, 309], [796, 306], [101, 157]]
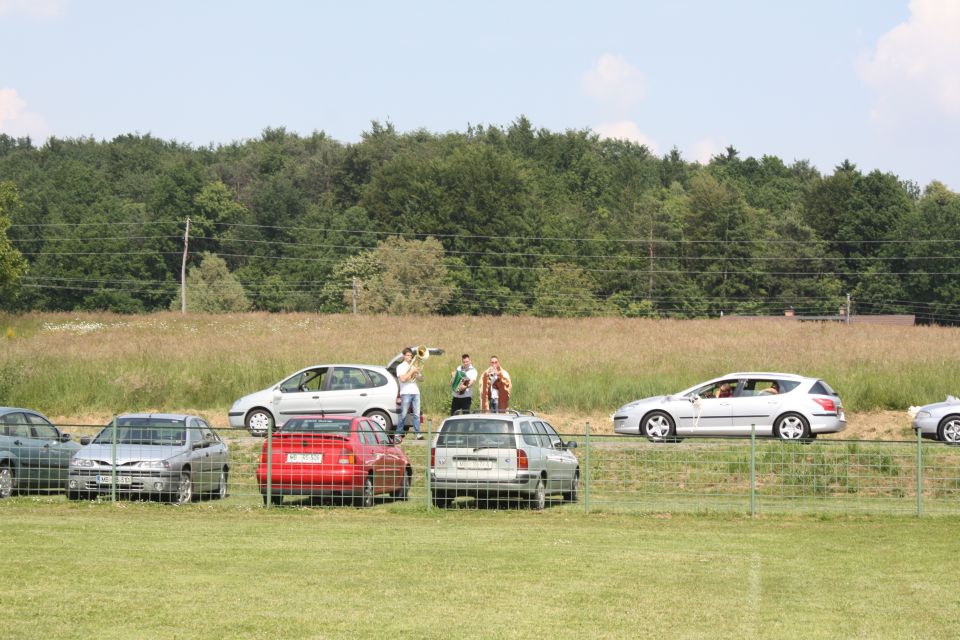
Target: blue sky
[[873, 81]]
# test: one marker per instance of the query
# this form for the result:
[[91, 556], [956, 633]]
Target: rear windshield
[[822, 388], [145, 431], [317, 425], [477, 434]]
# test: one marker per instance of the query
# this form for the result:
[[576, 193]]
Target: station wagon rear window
[[477, 434]]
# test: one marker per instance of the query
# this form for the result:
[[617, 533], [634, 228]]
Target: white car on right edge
[[781, 405], [939, 421]]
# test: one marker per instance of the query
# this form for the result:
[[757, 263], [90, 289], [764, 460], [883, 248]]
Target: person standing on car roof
[[495, 386], [461, 384], [408, 375]]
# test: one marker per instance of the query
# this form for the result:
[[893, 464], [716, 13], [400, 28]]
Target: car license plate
[[109, 480], [474, 464], [309, 458]]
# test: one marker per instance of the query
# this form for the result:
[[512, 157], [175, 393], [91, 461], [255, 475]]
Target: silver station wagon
[[501, 456], [782, 405]]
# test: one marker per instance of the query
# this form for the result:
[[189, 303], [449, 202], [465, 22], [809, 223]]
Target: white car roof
[[766, 374]]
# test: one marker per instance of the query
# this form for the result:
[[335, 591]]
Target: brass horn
[[420, 355]]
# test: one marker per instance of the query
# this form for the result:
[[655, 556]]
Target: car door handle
[[315, 397], [363, 394], [17, 442]]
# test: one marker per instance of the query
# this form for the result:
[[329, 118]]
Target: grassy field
[[135, 570], [73, 366]]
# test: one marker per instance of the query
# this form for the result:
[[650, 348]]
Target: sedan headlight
[[82, 463], [924, 414], [153, 464]]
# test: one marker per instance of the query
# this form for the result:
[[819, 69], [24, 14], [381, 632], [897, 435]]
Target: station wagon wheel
[[949, 430], [792, 427], [184, 489], [259, 422], [6, 481], [441, 500], [365, 499], [658, 426], [574, 493], [274, 499], [538, 499], [381, 419]]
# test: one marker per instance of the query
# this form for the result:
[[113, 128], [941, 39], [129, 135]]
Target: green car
[[34, 454]]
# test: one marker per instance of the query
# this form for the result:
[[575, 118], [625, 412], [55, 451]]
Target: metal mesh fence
[[173, 463]]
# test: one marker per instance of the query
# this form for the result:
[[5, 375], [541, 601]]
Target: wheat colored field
[[81, 369]]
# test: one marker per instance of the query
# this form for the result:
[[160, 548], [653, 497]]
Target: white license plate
[[309, 458], [474, 465], [109, 480]]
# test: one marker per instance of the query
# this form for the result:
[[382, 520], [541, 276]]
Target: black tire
[[381, 418], [792, 427], [441, 500], [365, 499], [659, 426], [259, 421], [7, 481], [949, 430], [403, 493], [574, 494], [221, 491], [538, 499], [184, 494], [274, 499]]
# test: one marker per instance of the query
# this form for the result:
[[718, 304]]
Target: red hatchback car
[[337, 456]]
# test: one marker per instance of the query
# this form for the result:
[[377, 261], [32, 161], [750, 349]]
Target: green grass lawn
[[215, 570]]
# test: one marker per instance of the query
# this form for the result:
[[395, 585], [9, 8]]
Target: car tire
[[403, 493], [792, 427], [221, 491], [574, 494], [184, 494], [259, 422], [441, 500], [274, 498], [381, 418], [949, 430], [6, 481], [538, 499], [658, 426], [365, 499], [74, 495]]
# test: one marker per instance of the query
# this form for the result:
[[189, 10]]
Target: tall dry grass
[[70, 364]]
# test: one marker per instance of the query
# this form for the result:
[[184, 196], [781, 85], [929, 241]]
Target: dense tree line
[[490, 220]]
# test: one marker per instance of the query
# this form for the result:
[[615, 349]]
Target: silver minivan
[[502, 456]]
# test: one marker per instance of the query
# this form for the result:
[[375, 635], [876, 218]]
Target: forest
[[491, 220]]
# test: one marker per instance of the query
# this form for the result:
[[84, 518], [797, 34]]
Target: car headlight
[[153, 464], [82, 463], [924, 414]]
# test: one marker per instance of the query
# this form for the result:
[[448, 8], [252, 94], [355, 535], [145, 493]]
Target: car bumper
[[926, 426], [297, 482], [626, 425], [236, 419], [144, 483], [523, 482]]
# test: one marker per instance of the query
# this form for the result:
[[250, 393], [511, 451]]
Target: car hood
[[950, 402], [648, 402], [127, 453], [262, 397]]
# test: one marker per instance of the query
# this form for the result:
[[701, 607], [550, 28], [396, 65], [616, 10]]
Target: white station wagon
[[782, 405]]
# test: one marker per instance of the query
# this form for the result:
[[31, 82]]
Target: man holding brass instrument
[[461, 384], [495, 385], [408, 374]]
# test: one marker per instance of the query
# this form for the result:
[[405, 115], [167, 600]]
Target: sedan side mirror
[[570, 445], [85, 440], [65, 437]]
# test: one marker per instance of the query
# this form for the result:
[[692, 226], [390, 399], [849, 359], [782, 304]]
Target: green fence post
[[919, 474], [426, 466], [268, 498], [586, 472], [113, 459], [753, 470]]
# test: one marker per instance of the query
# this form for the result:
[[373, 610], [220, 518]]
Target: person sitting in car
[[725, 391]]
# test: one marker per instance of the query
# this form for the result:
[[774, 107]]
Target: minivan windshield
[[478, 433]]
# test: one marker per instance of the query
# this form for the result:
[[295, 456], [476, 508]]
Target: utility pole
[[183, 270], [354, 283], [848, 308]]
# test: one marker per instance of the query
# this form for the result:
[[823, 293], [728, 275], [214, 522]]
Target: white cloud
[[614, 81], [16, 121], [704, 149], [36, 8], [625, 130], [915, 68]]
